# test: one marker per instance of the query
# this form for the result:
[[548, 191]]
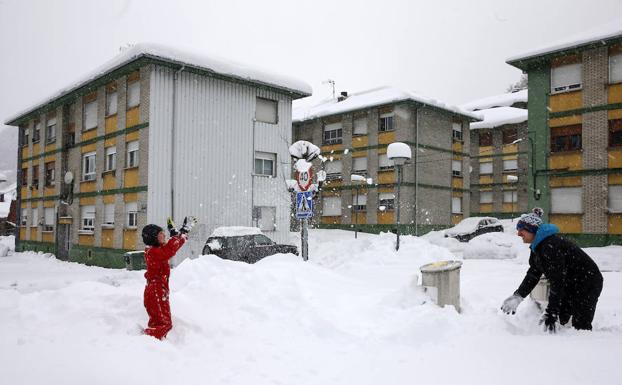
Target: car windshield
[[261, 239]]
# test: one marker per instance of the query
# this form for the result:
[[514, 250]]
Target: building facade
[[354, 132], [575, 126], [153, 134], [499, 156]]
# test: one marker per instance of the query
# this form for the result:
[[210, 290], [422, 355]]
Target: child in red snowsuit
[[157, 256]]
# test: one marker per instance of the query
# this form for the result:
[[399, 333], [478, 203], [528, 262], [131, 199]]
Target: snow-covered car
[[469, 228], [246, 244]]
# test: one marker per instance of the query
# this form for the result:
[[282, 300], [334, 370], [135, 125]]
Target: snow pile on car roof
[[235, 231], [465, 226]]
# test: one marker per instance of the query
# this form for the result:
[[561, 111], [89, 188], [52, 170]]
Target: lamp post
[[512, 179], [360, 179], [536, 192], [399, 153]]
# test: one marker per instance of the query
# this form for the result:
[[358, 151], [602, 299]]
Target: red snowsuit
[[156, 291]]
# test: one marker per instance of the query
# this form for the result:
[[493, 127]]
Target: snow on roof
[[2, 177], [235, 231], [183, 58], [8, 188], [502, 100], [369, 98], [600, 33], [495, 117]]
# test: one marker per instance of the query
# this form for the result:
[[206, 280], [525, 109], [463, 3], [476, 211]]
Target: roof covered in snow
[[495, 117], [371, 98], [502, 100], [190, 60], [235, 231], [600, 35]]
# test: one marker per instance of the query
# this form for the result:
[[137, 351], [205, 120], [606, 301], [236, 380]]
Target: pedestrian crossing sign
[[304, 204]]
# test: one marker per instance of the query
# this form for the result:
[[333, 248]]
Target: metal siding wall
[[214, 155]]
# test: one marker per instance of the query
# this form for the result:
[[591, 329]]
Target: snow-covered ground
[[352, 315]]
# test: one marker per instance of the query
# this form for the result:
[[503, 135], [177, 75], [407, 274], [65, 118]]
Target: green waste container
[[135, 260]]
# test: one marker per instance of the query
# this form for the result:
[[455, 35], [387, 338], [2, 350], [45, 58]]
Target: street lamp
[[360, 179], [512, 179], [399, 153]]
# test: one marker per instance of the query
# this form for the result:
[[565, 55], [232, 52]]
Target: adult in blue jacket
[[576, 281]]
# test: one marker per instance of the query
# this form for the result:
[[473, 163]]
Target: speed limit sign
[[304, 179]]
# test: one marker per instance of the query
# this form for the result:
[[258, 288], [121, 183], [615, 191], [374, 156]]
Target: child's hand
[[170, 225], [189, 223]]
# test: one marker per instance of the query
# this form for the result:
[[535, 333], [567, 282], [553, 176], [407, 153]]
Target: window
[[36, 134], [111, 158], [333, 169], [265, 218], [131, 210], [566, 77], [25, 132], [567, 200], [108, 214], [133, 94], [111, 100], [485, 197], [333, 133], [265, 163], [132, 154], [457, 131], [386, 201], [50, 173], [24, 176], [510, 165], [615, 132], [456, 167], [456, 205], [35, 176], [87, 215], [615, 68], [359, 165], [35, 217], [510, 197], [385, 122], [24, 218], [359, 126], [359, 202], [485, 168], [485, 138], [384, 163], [566, 138], [90, 115], [615, 199], [266, 111], [50, 131], [331, 206], [509, 135], [49, 217], [88, 166]]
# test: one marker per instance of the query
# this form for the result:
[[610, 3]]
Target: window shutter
[[359, 164], [485, 168], [615, 199], [567, 200], [331, 206], [49, 216]]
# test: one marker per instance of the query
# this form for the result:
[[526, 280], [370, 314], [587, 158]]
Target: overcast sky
[[452, 50]]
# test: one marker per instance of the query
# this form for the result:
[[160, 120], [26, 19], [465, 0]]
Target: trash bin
[[441, 281], [135, 260], [540, 293]]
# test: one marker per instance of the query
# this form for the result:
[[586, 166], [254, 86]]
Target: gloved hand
[[170, 225], [189, 223], [549, 320], [511, 303]]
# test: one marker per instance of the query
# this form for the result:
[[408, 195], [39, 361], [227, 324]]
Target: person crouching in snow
[[576, 281], [157, 256]]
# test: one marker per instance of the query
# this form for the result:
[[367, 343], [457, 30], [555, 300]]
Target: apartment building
[[575, 126], [353, 132], [499, 155], [155, 132]]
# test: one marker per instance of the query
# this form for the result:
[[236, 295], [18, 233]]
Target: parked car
[[245, 244], [469, 228]]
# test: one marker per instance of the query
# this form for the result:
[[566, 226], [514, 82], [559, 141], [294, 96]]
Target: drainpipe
[[253, 177], [417, 172], [173, 140]]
